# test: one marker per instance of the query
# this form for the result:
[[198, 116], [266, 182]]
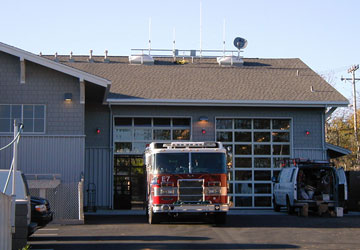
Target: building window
[[258, 146], [131, 134], [31, 116]]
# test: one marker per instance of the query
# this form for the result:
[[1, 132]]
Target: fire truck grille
[[191, 190]]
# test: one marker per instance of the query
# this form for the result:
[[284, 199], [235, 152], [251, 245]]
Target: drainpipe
[[111, 157], [323, 120], [326, 117]]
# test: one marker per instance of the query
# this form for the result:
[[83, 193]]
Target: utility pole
[[353, 79]]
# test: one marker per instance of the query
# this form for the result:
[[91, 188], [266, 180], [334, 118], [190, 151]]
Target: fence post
[[81, 199]]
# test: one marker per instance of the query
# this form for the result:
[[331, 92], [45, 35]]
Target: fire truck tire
[[220, 218], [153, 218]]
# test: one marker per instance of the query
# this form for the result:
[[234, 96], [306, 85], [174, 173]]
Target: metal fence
[[5, 223], [65, 201]]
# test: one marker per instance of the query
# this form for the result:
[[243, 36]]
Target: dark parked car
[[40, 211]]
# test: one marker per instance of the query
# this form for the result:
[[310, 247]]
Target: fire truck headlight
[[213, 191]]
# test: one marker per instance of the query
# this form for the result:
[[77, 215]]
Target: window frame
[[22, 119]]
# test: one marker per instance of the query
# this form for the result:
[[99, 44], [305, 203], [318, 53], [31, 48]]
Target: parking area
[[242, 231]]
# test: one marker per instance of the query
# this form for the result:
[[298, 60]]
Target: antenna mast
[[149, 35], [200, 29], [224, 36]]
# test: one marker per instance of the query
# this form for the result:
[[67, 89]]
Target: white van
[[21, 189], [309, 182]]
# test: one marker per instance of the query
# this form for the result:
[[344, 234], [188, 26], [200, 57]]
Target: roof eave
[[25, 55], [247, 103]]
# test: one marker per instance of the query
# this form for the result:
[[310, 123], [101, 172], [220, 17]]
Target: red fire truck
[[186, 178]]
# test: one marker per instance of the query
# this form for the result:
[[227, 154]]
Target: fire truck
[[186, 178]]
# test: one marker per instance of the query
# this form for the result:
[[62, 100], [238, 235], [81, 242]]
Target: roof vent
[[90, 59], [141, 59], [106, 59], [230, 61], [71, 59]]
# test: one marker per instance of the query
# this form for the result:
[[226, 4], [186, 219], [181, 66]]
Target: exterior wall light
[[203, 119], [68, 97]]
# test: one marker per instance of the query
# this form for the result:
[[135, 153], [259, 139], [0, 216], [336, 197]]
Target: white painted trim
[[248, 103], [24, 55]]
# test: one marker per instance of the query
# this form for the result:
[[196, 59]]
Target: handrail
[[18, 134], [17, 138]]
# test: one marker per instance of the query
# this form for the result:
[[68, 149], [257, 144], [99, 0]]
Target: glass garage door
[[257, 147]]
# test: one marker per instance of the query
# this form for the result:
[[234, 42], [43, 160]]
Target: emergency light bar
[[192, 145]]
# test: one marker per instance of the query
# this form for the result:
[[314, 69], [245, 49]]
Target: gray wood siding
[[47, 87], [62, 155], [98, 171]]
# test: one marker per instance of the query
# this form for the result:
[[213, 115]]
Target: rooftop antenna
[[200, 29], [224, 36], [174, 36], [149, 35], [240, 43]]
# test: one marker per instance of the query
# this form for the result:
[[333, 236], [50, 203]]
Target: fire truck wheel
[[220, 218], [153, 218]]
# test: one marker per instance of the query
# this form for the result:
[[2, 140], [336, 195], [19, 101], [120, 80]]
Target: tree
[[340, 132]]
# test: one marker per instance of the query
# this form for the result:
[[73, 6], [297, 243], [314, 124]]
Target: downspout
[[326, 116], [111, 157], [323, 136]]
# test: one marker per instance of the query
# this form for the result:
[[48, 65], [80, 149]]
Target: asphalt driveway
[[277, 231]]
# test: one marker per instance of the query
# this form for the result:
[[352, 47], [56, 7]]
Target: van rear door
[[341, 186]]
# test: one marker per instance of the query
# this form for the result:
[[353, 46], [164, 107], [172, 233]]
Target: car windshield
[[214, 163]]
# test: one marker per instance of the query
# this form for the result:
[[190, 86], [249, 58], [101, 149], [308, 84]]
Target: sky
[[322, 33]]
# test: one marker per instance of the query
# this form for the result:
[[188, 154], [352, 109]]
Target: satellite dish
[[240, 43]]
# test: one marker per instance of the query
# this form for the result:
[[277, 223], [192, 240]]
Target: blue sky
[[323, 33]]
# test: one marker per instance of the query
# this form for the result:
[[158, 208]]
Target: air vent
[[141, 59], [230, 61]]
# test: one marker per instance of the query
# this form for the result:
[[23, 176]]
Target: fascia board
[[251, 103], [339, 149], [24, 55]]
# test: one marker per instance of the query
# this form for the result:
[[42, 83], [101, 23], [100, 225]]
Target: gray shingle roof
[[259, 80]]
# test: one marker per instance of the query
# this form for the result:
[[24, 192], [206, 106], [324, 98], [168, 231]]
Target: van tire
[[290, 209], [276, 206]]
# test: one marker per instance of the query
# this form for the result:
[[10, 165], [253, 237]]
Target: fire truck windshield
[[171, 163]]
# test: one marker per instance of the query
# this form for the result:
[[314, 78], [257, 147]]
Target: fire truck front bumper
[[190, 208]]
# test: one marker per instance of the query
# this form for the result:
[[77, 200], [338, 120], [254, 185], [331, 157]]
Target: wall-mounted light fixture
[[68, 97], [203, 119]]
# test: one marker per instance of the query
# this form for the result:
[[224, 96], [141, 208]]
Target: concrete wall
[[19, 238], [5, 223]]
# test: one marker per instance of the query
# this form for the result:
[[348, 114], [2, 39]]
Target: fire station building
[[90, 117]]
